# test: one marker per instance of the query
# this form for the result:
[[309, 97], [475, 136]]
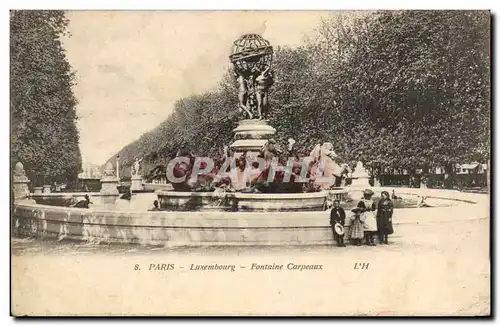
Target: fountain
[[251, 58], [263, 211]]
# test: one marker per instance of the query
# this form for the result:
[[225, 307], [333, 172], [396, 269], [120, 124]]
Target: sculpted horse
[[325, 166], [203, 182], [278, 184]]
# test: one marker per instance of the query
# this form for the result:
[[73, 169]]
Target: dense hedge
[[44, 136]]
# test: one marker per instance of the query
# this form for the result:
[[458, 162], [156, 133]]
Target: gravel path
[[430, 269]]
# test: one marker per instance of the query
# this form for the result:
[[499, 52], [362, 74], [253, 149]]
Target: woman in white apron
[[370, 217]]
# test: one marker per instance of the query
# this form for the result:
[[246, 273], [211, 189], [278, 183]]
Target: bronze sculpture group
[[253, 90], [251, 58]]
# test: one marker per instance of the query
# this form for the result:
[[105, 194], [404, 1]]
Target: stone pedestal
[[109, 182], [20, 185], [109, 186], [38, 190], [250, 136], [361, 182], [109, 201], [136, 183]]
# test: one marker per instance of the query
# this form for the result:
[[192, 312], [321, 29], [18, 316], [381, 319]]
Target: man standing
[[337, 217]]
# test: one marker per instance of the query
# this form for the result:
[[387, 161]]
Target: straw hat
[[357, 210], [339, 229]]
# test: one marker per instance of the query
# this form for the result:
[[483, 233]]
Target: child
[[357, 230], [337, 216], [328, 204]]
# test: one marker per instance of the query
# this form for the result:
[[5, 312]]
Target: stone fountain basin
[[213, 201], [220, 228]]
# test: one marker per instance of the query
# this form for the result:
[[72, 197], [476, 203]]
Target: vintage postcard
[[250, 163]]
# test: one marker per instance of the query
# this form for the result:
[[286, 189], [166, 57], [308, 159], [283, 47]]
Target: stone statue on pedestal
[[136, 180], [360, 176], [137, 166]]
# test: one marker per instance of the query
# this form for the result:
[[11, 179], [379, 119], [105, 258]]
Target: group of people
[[367, 221]]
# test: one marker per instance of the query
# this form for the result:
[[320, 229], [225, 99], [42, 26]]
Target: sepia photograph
[[250, 163]]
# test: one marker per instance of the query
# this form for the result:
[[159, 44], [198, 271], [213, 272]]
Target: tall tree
[[423, 76], [44, 136]]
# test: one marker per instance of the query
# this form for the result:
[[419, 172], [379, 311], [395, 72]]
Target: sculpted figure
[[242, 94], [315, 152], [326, 166], [19, 170], [262, 84], [327, 150], [271, 149], [251, 57], [345, 173], [291, 142], [226, 153], [137, 166]]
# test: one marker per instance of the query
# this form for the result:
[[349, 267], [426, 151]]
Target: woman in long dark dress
[[384, 217]]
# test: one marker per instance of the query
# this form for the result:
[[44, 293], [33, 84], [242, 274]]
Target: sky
[[132, 66]]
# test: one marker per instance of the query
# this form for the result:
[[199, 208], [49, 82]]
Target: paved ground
[[429, 269]]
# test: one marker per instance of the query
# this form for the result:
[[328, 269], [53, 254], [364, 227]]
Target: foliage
[[422, 78], [44, 136]]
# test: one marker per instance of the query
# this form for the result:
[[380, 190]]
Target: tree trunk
[[377, 177], [424, 180], [449, 176]]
